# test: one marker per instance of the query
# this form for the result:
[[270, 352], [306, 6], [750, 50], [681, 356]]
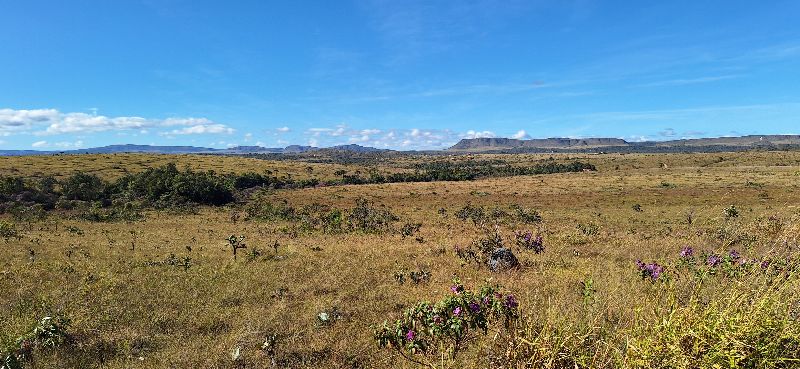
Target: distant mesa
[[510, 143], [477, 145]]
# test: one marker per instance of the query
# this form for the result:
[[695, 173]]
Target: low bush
[[428, 330]]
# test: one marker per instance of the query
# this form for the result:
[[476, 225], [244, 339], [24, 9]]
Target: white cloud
[[60, 144], [283, 129], [12, 121], [52, 122], [413, 139], [479, 134], [202, 129], [521, 135], [69, 145]]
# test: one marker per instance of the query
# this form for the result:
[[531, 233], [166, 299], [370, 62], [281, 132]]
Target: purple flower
[[687, 252], [474, 307], [457, 311], [511, 302], [651, 270], [487, 301], [734, 255], [655, 270], [456, 288], [765, 264], [410, 335], [713, 260]]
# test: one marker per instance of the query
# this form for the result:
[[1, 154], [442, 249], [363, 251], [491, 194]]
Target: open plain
[[717, 285]]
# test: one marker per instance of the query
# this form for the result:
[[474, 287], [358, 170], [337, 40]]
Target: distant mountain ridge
[[473, 145], [131, 148], [618, 144]]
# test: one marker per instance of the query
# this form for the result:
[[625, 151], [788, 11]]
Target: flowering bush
[[526, 240], [447, 324], [650, 270]]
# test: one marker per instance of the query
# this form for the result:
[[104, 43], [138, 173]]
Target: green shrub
[[83, 186], [429, 330], [8, 231]]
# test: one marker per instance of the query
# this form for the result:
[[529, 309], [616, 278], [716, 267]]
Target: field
[[164, 289]]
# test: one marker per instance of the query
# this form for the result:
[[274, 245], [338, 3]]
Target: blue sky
[[392, 73]]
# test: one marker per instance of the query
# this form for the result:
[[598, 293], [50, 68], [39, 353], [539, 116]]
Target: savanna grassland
[[649, 261]]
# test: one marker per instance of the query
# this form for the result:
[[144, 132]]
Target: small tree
[[236, 243]]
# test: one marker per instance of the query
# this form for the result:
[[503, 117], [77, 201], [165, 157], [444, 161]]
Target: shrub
[[8, 231], [366, 217], [524, 215], [48, 334], [731, 212], [428, 330], [83, 186], [261, 209], [166, 186]]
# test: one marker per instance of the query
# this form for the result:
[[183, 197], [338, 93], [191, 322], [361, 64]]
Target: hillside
[[620, 145]]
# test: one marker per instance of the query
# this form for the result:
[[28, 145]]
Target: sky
[[399, 74]]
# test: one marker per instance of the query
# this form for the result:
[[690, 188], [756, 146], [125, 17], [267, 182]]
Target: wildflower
[[456, 289], [687, 252], [734, 255], [511, 302], [651, 270], [765, 264], [457, 311], [487, 301], [655, 270], [713, 260], [410, 335], [474, 307]]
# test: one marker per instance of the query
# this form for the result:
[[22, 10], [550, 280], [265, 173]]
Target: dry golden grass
[[112, 166], [127, 312]]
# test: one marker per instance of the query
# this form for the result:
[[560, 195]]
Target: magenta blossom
[[511, 302], [410, 335], [457, 311]]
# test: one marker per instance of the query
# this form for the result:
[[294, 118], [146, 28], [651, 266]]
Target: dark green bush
[[83, 186]]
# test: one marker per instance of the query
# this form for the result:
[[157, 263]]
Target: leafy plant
[[236, 243], [428, 329], [8, 231], [527, 241], [49, 333], [731, 212], [409, 229]]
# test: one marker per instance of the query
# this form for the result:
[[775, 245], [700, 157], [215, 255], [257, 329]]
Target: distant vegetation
[[167, 186], [466, 171]]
